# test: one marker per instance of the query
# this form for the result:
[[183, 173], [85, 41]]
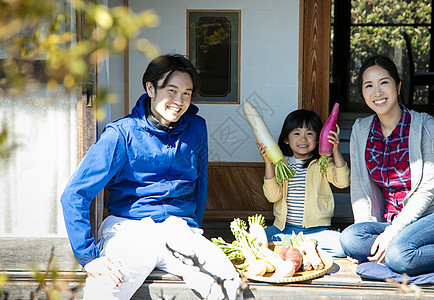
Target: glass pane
[[213, 47], [389, 41], [213, 35], [391, 11], [44, 125]]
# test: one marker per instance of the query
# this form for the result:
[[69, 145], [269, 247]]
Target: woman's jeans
[[328, 240], [410, 252]]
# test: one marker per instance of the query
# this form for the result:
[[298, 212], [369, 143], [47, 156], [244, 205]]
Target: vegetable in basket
[[254, 265], [260, 130], [258, 255], [256, 229], [325, 147], [232, 251], [308, 249], [290, 252]]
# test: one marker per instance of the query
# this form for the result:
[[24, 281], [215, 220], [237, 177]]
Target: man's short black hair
[[169, 63]]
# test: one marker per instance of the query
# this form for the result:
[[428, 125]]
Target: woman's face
[[380, 91]]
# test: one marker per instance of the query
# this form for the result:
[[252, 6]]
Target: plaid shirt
[[388, 163]]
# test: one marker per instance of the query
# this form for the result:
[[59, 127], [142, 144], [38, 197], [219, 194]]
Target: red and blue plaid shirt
[[388, 163]]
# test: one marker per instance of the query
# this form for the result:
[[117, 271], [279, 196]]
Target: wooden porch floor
[[341, 282]]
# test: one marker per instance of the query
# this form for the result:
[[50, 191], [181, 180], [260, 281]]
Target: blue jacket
[[148, 172]]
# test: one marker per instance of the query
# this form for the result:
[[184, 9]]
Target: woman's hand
[[103, 266], [379, 247]]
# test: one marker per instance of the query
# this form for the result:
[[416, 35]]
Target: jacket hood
[[139, 111]]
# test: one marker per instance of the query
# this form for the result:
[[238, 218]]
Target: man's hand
[[103, 266], [378, 249]]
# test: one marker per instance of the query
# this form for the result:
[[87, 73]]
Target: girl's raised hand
[[334, 138], [263, 151], [269, 170], [337, 154]]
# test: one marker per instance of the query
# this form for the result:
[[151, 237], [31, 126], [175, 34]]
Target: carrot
[[260, 130], [325, 147]]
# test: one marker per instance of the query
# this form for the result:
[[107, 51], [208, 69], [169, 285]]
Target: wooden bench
[[235, 191], [341, 282]]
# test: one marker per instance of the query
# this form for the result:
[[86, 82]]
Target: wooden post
[[315, 55]]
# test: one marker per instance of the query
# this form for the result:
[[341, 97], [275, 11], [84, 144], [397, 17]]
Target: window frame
[[340, 58]]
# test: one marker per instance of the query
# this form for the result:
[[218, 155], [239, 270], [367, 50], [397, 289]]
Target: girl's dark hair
[[298, 119], [385, 63], [163, 64]]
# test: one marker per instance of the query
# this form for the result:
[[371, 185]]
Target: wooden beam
[[315, 51], [127, 73]]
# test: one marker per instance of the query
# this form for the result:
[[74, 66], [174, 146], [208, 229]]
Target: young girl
[[305, 202]]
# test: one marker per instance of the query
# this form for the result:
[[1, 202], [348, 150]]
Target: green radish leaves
[[283, 171]]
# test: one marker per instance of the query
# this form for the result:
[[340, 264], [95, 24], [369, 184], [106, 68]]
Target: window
[[213, 45], [52, 128], [364, 28]]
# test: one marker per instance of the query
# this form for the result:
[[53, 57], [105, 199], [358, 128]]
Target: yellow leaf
[[77, 67], [69, 81], [120, 43], [102, 17]]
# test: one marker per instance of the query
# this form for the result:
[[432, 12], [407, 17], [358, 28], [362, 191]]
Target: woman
[[392, 177]]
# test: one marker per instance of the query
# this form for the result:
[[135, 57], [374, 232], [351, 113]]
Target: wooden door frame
[[314, 58]]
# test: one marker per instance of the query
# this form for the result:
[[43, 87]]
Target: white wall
[[269, 67]]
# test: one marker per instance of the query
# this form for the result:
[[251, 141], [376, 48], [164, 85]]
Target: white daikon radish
[[256, 229], [263, 136]]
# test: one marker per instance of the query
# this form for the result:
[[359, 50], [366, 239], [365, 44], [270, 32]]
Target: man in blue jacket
[[154, 165]]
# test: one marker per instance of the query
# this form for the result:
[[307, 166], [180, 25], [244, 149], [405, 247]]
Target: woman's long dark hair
[[298, 119]]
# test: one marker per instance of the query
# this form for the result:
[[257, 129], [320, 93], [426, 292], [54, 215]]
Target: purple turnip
[[325, 147]]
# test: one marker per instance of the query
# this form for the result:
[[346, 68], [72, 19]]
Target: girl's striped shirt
[[296, 192]]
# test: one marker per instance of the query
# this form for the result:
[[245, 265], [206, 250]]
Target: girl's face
[[380, 91], [302, 142]]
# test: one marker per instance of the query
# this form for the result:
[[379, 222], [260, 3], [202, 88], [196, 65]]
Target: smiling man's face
[[169, 103]]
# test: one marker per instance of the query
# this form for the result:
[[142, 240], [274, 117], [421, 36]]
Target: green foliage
[[7, 145], [3, 279], [50, 282], [39, 41], [60, 42], [387, 39]]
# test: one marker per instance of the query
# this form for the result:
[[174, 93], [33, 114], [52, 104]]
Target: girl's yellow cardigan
[[319, 204]]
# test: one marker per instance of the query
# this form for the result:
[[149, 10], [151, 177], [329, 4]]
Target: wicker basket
[[298, 276]]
